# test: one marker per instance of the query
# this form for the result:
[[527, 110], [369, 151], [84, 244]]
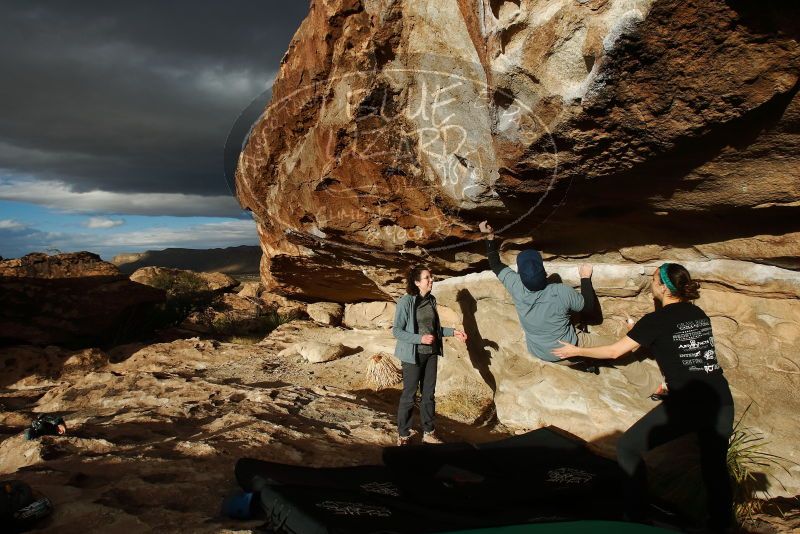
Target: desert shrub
[[187, 293], [249, 330], [182, 283]]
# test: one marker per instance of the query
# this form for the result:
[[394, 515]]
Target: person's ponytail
[[685, 287]]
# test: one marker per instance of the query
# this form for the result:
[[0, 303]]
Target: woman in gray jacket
[[419, 345]]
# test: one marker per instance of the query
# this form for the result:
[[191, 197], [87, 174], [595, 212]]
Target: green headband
[[662, 271]]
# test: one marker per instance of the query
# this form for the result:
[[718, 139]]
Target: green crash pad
[[570, 527]]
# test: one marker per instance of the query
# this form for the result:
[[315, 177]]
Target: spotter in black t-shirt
[[680, 338]]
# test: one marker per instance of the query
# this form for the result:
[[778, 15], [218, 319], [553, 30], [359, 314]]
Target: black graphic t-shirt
[[679, 336]]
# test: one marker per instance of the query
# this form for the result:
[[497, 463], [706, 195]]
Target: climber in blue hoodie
[[544, 309]]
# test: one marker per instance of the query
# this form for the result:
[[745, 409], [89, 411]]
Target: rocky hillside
[[232, 260]]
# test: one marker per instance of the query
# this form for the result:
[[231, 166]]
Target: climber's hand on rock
[[428, 339], [485, 228], [585, 270], [461, 336]]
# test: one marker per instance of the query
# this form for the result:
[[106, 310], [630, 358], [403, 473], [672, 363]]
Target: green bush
[[187, 293], [182, 283], [748, 465]]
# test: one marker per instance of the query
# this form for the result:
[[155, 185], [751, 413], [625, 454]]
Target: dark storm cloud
[[133, 96]]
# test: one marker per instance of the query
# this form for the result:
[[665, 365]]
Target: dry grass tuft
[[467, 403], [382, 372]]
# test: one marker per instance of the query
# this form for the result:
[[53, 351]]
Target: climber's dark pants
[[712, 420], [422, 374]]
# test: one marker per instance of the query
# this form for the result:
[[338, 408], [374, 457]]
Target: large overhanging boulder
[[595, 125]]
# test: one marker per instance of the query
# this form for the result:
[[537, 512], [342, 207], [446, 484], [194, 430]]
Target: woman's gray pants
[[422, 375]]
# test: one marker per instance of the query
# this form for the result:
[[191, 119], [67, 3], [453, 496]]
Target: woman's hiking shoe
[[431, 437], [402, 441]]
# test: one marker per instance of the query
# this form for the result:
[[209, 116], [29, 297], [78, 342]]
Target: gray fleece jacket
[[405, 326]]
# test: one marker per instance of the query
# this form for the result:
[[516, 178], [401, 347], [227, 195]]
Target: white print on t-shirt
[[706, 368], [709, 368], [695, 344], [694, 325]]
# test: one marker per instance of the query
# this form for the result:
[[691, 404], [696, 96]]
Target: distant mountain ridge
[[232, 260]]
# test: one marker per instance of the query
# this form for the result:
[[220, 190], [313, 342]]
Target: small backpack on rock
[[45, 425], [19, 508]]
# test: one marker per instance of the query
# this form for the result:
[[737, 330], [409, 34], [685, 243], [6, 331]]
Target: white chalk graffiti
[[569, 475], [381, 488], [354, 508]]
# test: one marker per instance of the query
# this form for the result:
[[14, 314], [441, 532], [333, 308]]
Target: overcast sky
[[115, 115]]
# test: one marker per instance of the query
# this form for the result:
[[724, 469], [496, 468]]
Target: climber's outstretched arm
[[492, 248]]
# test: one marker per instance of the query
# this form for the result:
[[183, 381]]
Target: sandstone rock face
[[74, 300], [229, 314], [219, 281], [284, 306], [317, 351], [215, 282], [369, 315], [153, 438], [756, 322], [361, 342], [605, 125], [30, 366], [42, 266], [145, 433], [329, 313], [251, 289]]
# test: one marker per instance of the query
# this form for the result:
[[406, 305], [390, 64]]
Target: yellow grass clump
[[382, 372]]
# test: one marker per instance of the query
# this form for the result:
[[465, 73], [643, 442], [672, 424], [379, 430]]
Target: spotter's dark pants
[[708, 416]]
